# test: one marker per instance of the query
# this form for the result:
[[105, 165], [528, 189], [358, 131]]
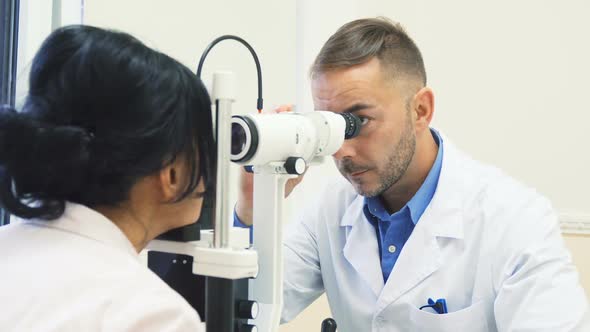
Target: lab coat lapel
[[421, 255], [361, 249]]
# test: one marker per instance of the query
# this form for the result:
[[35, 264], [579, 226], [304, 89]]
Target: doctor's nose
[[347, 150]]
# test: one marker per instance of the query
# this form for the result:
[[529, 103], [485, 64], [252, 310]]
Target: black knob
[[353, 125], [247, 309], [248, 328], [329, 325], [295, 165]]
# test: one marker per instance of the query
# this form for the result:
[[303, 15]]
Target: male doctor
[[420, 237]]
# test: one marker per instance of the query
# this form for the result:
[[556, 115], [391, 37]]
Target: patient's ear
[[170, 184]]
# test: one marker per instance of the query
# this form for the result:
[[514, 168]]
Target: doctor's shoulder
[[511, 204], [503, 207], [510, 220], [515, 230]]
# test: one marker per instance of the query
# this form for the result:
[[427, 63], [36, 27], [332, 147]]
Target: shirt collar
[[81, 220], [423, 196]]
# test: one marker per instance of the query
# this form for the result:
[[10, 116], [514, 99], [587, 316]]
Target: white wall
[[509, 77], [37, 18]]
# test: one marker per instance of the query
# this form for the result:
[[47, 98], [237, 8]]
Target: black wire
[[245, 43]]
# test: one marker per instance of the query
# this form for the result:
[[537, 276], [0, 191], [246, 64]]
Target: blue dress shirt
[[393, 230]]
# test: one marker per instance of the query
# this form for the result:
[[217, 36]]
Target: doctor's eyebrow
[[357, 107]]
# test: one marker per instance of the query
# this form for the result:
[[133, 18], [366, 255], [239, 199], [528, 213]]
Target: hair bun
[[42, 159], [22, 135]]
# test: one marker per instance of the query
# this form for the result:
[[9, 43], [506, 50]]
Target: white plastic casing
[[224, 85], [234, 262], [305, 135]]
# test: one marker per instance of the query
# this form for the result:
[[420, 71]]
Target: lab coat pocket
[[472, 318]]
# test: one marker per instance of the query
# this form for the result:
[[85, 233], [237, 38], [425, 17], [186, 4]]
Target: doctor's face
[[379, 156]]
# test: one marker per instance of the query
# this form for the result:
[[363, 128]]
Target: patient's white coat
[[81, 273]]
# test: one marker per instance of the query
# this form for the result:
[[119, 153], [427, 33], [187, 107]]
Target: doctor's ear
[[423, 108]]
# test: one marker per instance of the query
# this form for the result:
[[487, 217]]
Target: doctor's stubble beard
[[397, 163]]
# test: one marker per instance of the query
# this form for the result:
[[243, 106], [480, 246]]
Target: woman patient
[[112, 147]]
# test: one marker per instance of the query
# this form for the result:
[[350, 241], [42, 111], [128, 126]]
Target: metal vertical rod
[[9, 16], [9, 48], [220, 304], [267, 287], [223, 125], [56, 14]]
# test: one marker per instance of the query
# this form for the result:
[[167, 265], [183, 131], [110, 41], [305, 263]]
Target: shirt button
[[391, 249], [380, 321]]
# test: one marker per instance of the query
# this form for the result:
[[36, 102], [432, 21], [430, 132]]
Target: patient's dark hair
[[103, 110]]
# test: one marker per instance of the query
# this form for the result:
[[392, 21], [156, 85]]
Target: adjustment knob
[[295, 165], [248, 309], [248, 328], [329, 325]]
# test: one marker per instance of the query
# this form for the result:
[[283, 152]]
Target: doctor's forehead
[[337, 97]]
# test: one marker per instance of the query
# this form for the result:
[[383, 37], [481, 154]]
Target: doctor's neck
[[401, 192]]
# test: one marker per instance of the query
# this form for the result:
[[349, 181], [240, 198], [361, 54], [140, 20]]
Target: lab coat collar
[[361, 249], [421, 255], [446, 200], [444, 213], [81, 220]]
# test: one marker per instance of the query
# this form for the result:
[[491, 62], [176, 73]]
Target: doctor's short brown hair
[[361, 40]]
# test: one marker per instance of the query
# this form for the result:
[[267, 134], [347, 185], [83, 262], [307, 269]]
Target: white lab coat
[[81, 273], [487, 244]]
